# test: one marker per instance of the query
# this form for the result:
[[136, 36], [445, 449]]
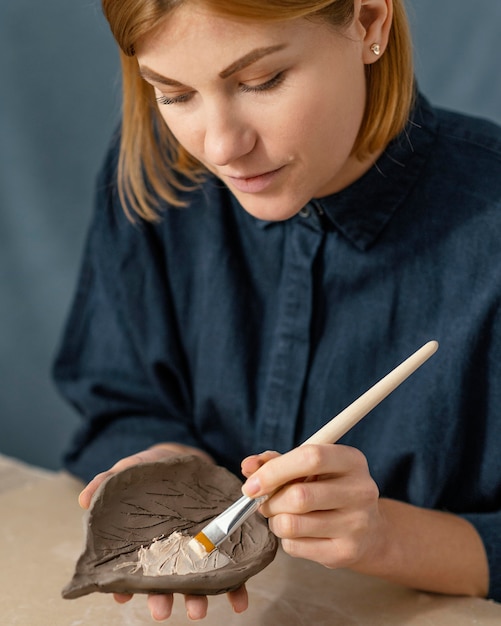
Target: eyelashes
[[277, 80], [269, 85], [174, 99]]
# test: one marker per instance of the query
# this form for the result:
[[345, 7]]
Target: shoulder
[[474, 135], [469, 149], [462, 157]]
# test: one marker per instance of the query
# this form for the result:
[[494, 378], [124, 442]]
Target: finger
[[302, 497], [322, 525], [160, 606], [165, 450], [331, 553], [302, 462], [156, 453], [320, 550], [351, 491], [122, 598], [196, 606], [316, 525], [252, 463], [134, 459], [239, 599], [85, 497]]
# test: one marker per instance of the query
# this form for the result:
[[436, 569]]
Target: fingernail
[[193, 619], [82, 500], [252, 487], [160, 618]]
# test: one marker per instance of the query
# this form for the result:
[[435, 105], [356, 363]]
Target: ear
[[375, 18]]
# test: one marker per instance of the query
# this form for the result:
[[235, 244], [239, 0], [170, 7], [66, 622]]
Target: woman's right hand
[[160, 605]]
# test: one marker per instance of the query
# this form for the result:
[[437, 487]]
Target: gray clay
[[144, 505]]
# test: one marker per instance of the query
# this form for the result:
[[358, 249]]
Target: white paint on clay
[[174, 555]]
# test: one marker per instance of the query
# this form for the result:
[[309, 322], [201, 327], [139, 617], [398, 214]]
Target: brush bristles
[[205, 542]]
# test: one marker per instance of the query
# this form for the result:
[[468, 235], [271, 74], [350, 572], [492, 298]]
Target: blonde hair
[[152, 164]]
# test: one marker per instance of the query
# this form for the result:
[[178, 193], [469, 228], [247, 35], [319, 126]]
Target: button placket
[[289, 354]]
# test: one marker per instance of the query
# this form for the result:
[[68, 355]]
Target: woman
[[282, 220]]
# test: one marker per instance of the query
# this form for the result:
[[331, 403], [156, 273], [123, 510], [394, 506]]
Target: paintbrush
[[221, 527]]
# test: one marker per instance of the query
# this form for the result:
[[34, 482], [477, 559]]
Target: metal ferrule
[[232, 518]]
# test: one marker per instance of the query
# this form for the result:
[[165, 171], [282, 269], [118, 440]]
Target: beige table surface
[[41, 536]]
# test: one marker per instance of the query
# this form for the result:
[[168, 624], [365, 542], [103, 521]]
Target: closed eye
[[266, 86], [174, 99], [277, 80]]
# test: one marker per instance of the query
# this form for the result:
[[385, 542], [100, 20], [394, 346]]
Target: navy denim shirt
[[218, 330]]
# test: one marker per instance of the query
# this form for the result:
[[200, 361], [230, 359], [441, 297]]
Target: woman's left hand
[[325, 504], [160, 605]]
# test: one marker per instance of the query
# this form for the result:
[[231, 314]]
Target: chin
[[269, 210]]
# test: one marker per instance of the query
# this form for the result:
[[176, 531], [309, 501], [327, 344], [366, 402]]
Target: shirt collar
[[361, 211]]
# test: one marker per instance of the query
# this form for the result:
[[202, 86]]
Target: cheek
[[184, 131], [314, 126], [325, 113], [336, 119]]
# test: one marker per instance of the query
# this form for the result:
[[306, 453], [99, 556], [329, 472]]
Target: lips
[[254, 184]]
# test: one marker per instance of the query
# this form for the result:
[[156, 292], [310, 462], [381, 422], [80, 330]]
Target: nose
[[228, 135]]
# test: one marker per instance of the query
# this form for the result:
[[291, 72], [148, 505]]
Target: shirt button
[[305, 212]]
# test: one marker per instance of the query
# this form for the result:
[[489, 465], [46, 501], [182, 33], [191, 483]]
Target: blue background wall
[[59, 101]]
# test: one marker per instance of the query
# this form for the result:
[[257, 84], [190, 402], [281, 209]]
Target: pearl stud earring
[[376, 48]]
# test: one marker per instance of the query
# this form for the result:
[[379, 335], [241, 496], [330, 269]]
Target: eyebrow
[[248, 59], [152, 76]]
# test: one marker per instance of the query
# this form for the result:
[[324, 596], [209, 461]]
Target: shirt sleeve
[[120, 363]]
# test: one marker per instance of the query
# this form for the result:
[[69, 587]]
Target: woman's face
[[272, 109]]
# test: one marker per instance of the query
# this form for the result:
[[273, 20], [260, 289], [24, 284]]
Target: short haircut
[[153, 165]]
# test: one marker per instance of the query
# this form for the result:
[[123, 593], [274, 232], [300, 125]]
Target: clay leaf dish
[[136, 511]]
